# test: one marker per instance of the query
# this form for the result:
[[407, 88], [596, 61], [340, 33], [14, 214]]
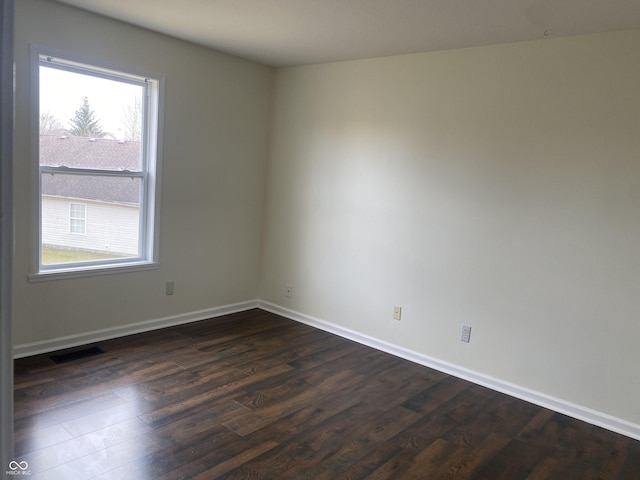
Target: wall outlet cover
[[465, 333]]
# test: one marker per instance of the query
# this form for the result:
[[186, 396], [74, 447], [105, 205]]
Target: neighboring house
[[90, 212]]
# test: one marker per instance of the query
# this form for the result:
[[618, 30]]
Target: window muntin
[[111, 169]]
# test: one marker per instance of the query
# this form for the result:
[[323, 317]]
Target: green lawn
[[52, 255]]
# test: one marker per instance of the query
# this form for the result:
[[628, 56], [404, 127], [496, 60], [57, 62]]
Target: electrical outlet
[[465, 333], [288, 291], [397, 312], [168, 288]]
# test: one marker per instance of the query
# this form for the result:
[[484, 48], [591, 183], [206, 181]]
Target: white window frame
[[73, 216], [153, 84]]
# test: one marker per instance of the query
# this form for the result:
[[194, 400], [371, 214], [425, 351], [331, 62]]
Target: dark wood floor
[[256, 396]]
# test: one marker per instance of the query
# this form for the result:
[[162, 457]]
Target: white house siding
[[109, 227]]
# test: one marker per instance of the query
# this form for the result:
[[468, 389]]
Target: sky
[[62, 92]]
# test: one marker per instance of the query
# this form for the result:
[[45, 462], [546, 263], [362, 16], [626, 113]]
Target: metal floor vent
[[78, 354]]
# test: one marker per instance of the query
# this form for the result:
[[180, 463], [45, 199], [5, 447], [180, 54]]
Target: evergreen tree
[[85, 123]]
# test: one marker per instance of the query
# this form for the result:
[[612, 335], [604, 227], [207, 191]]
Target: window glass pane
[[77, 226], [77, 216], [109, 219], [77, 210], [89, 122]]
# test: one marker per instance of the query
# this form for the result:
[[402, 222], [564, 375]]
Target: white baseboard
[[556, 404], [60, 343]]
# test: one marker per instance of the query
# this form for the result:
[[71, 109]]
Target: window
[[97, 138], [78, 218]]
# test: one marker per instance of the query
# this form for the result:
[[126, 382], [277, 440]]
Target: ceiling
[[298, 32]]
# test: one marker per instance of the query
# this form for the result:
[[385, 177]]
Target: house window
[[78, 218], [97, 138]]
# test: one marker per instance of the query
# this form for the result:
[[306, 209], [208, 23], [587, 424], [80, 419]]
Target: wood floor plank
[[434, 395], [266, 409], [57, 413], [515, 460], [631, 465], [428, 459], [103, 418], [253, 395], [26, 441], [365, 439], [207, 398], [471, 459], [385, 453], [544, 469], [290, 459], [234, 462]]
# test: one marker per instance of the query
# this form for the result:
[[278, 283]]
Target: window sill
[[91, 271]]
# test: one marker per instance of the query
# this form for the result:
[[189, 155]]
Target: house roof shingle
[[98, 153]]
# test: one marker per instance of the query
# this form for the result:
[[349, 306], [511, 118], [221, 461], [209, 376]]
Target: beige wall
[[495, 186], [214, 152]]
